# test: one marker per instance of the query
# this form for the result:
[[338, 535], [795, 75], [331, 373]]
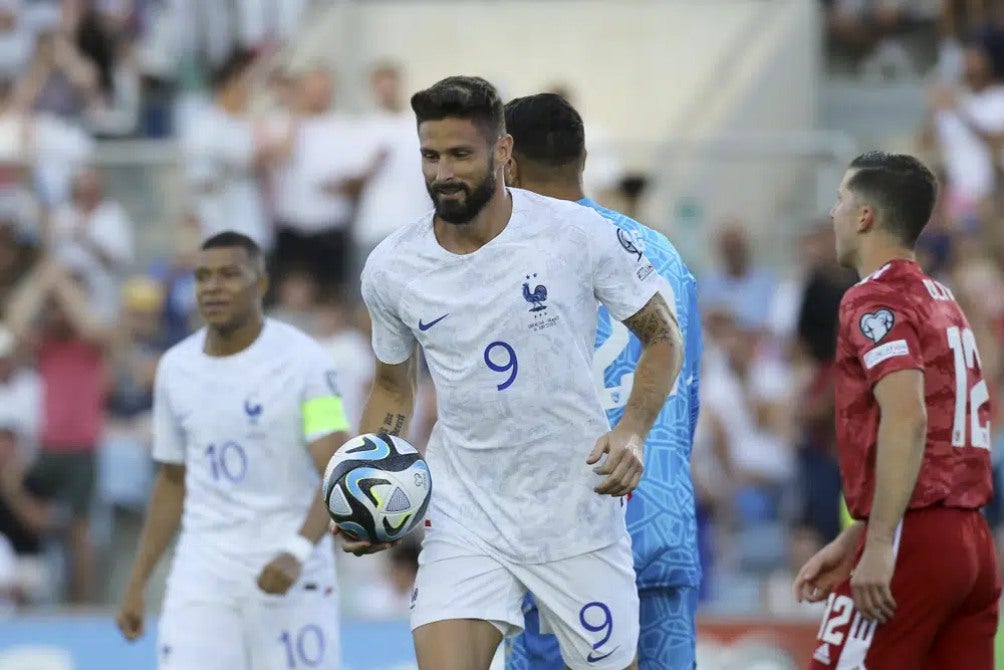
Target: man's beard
[[463, 210]]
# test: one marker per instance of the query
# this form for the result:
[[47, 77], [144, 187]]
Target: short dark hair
[[546, 128], [460, 97], [900, 186], [229, 239], [238, 60]]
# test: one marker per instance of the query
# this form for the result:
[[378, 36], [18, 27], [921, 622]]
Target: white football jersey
[[508, 333], [236, 423]]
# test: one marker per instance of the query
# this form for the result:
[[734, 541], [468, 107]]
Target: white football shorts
[[590, 602], [255, 631]]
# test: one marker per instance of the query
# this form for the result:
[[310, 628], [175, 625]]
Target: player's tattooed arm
[[392, 398], [658, 366], [394, 423], [662, 356]]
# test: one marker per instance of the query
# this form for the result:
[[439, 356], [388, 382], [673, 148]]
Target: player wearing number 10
[[246, 416], [549, 156], [913, 583], [501, 289]]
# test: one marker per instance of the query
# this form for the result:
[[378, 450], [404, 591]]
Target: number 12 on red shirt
[[963, 344]]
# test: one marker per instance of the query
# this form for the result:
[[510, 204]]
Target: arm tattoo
[[393, 424], [652, 323]]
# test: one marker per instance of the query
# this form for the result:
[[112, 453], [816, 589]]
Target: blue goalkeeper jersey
[[660, 514]]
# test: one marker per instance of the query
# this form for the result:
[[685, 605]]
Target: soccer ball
[[376, 487]]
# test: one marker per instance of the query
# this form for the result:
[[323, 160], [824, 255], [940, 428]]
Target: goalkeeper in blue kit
[[548, 158]]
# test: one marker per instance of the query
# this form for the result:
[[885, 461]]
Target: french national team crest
[[253, 411], [876, 325], [537, 296]]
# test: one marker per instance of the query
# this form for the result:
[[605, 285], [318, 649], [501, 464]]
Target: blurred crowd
[[265, 149], [272, 151]]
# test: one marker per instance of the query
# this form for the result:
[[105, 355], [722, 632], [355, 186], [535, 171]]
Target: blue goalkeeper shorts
[[667, 640]]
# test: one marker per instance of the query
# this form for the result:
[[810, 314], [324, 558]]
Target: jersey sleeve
[[168, 439], [393, 341], [881, 328], [623, 278], [321, 399]]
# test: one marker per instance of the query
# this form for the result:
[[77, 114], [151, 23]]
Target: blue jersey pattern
[[660, 515]]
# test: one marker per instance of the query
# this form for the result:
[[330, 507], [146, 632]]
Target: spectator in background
[[17, 41], [225, 153], [94, 234], [864, 32], [16, 257], [745, 400], [967, 124], [176, 275], [51, 312], [207, 31], [296, 300], [822, 292], [393, 192], [316, 186], [743, 289], [42, 149], [125, 471], [58, 80], [20, 393], [742, 460], [118, 116], [818, 477]]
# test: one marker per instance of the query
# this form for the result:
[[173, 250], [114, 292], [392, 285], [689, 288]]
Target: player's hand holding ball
[[377, 488], [280, 574], [357, 547], [624, 464]]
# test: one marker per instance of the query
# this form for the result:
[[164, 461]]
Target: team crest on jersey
[[631, 242], [876, 325], [332, 378], [253, 411], [536, 295]]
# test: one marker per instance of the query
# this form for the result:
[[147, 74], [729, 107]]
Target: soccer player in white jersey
[[247, 414], [501, 288]]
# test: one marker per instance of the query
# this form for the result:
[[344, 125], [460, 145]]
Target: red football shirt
[[900, 319], [73, 407]]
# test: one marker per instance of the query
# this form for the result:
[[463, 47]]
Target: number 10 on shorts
[[304, 648]]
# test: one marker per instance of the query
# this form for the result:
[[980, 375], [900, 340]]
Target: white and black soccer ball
[[377, 487]]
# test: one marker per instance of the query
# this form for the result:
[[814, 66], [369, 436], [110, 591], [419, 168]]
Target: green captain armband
[[845, 516], [322, 416]]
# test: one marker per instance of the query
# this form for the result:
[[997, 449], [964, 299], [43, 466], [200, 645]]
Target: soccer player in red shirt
[[913, 583]]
